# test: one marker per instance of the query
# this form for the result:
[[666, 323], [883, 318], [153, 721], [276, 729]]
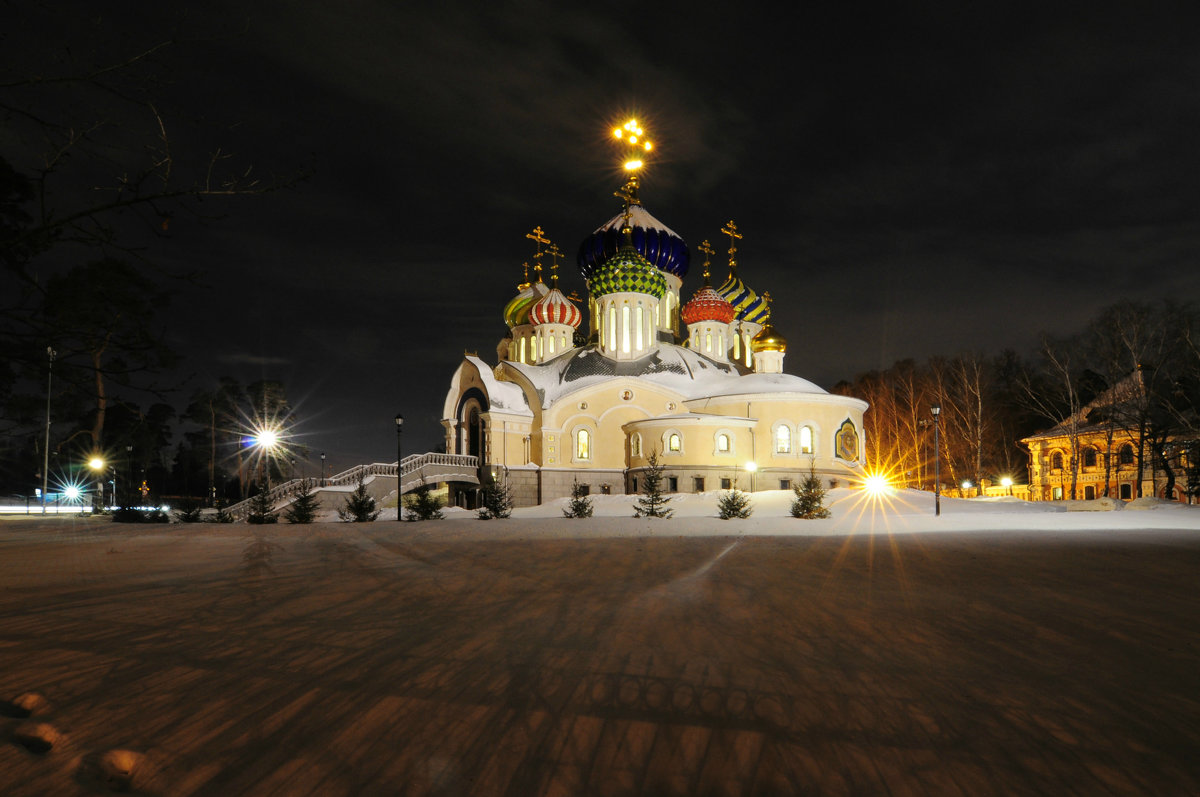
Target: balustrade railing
[[411, 464]]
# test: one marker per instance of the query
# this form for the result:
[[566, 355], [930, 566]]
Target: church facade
[[587, 396]]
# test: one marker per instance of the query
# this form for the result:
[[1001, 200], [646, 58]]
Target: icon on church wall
[[846, 442]]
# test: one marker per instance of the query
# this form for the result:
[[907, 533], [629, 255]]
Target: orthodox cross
[[767, 302], [555, 254], [708, 251], [730, 229], [538, 236]]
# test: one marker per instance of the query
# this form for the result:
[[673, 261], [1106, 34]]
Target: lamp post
[[966, 485], [46, 448], [937, 456], [751, 468], [102, 469], [1007, 482], [322, 468], [399, 456], [129, 468]]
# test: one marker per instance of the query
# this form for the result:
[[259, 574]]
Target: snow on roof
[[669, 366], [503, 396]]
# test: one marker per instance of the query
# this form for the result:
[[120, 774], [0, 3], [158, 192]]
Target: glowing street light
[[399, 464], [966, 485], [751, 467], [101, 467], [1007, 482]]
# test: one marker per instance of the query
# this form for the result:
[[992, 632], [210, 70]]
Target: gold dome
[[768, 340]]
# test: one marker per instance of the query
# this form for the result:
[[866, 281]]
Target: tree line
[[1135, 367]]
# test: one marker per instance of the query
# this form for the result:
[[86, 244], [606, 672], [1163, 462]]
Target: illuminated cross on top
[[708, 251], [538, 236], [555, 254], [730, 229]]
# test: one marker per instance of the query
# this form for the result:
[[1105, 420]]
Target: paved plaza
[[397, 658]]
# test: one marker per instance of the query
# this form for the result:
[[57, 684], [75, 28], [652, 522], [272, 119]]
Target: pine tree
[[497, 501], [422, 504], [223, 515], [262, 509], [191, 513], [304, 508], [810, 498], [579, 505], [652, 503], [360, 507], [734, 503]]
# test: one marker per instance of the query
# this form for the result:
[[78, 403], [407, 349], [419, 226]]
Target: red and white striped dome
[[707, 305], [554, 308]]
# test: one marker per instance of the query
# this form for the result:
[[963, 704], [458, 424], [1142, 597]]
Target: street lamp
[[1007, 482], [399, 456], [46, 449], [322, 468], [101, 467], [966, 485], [751, 467], [267, 441], [937, 456]]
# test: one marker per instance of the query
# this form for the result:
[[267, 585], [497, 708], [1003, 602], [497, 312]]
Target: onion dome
[[707, 305], [554, 308], [747, 305], [768, 339], [627, 272], [653, 240], [516, 312]]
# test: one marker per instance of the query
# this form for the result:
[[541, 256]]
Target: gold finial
[[537, 269], [730, 229], [525, 282], [707, 249], [767, 302]]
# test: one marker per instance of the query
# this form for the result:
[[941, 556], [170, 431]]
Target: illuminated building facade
[[698, 383]]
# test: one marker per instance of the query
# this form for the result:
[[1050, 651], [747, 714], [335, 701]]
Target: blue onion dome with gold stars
[[627, 272], [653, 240]]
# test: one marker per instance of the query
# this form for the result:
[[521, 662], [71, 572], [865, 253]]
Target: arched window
[[783, 439], [1056, 461], [674, 442], [1127, 454], [583, 444], [722, 443], [522, 349], [635, 445], [806, 440], [625, 328], [640, 324], [1089, 457]]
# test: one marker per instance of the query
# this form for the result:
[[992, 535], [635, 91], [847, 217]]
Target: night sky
[[927, 180]]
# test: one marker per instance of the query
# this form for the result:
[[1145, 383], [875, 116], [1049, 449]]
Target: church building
[[586, 396]]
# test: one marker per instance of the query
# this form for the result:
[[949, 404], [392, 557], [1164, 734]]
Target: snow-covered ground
[[852, 511]]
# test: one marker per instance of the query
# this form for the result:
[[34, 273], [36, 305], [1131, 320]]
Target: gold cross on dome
[[730, 229], [707, 249], [767, 302], [555, 254], [539, 237]]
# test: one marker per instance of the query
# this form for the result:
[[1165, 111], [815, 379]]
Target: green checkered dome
[[627, 272]]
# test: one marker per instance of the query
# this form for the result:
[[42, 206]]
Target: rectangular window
[[1126, 492], [1089, 492], [606, 489], [612, 327], [698, 484], [641, 322], [1057, 494], [726, 484], [585, 489], [672, 484], [625, 328], [785, 484], [635, 484], [552, 344]]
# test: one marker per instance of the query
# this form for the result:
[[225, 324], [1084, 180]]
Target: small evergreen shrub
[[809, 503], [580, 504], [734, 504], [304, 508], [652, 502], [190, 514], [360, 506], [222, 515], [262, 508], [497, 501], [422, 504]]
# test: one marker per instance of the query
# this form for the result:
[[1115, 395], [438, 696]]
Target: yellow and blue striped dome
[[747, 305]]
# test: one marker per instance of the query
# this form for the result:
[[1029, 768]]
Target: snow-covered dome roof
[[653, 240], [554, 308], [627, 272]]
